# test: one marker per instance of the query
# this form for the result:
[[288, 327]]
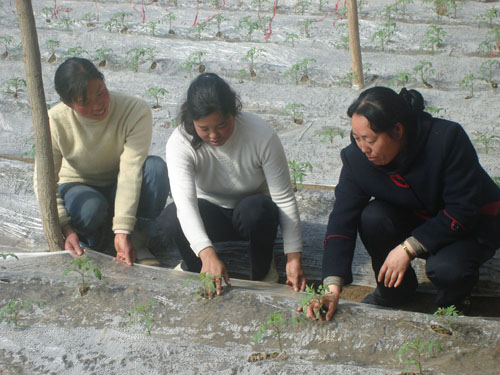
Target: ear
[[399, 131]]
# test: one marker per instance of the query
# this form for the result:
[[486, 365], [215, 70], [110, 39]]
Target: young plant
[[90, 19], [76, 51], [6, 41], [250, 25], [65, 23], [102, 55], [218, 20], [439, 7], [343, 41], [424, 70], [485, 140], [135, 57], [198, 29], [51, 45], [252, 54], [5, 256], [298, 171], [169, 17], [117, 22], [299, 72], [435, 110], [11, 312], [488, 69], [491, 46], [402, 79], [206, 284], [330, 134], [150, 54], [467, 83], [193, 61], [156, 93], [295, 112], [84, 267], [384, 33], [413, 353], [305, 24], [489, 17], [143, 314], [14, 86], [444, 315], [433, 38], [302, 6], [314, 296], [276, 324], [151, 27], [290, 38], [48, 14]]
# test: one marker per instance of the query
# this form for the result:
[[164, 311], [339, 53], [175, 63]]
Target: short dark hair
[[72, 79], [384, 108], [207, 94]]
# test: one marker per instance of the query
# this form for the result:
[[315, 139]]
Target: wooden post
[[43, 145], [354, 47]]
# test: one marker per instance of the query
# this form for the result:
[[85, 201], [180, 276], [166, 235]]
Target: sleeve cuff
[[417, 246], [334, 280]]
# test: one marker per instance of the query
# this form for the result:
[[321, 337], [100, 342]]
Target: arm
[[275, 169]]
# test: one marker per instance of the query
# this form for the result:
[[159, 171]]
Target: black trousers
[[454, 269], [254, 219]]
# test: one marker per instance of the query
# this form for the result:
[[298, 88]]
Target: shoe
[[375, 298], [140, 243], [272, 275]]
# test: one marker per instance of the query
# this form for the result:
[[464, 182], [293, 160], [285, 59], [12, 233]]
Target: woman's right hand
[[211, 264], [71, 241], [328, 303]]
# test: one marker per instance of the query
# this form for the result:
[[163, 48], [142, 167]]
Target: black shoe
[[376, 298]]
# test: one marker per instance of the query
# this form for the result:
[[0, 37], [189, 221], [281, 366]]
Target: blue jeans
[[92, 207]]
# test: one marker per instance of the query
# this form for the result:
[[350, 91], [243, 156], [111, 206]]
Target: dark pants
[[92, 207], [454, 269], [254, 219]]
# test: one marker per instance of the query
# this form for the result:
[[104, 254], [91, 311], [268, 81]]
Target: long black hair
[[207, 94], [384, 108], [72, 79]]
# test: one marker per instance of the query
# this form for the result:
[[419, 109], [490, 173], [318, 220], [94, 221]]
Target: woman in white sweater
[[230, 181]]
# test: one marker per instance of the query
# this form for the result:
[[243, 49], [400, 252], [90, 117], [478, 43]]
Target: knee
[[155, 169], [89, 214], [257, 211], [449, 274]]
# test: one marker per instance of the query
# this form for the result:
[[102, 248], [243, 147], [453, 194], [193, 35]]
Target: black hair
[[384, 108], [207, 94], [72, 79]]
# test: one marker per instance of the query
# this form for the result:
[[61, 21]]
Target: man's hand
[[211, 264], [394, 268], [71, 241], [327, 303], [124, 251], [295, 276]]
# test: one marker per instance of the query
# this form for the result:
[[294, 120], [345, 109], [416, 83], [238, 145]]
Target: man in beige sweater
[[100, 143]]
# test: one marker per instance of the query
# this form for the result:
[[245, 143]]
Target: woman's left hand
[[295, 276], [394, 268]]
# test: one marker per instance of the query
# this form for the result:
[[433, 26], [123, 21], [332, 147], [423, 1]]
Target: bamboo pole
[[354, 47], [46, 186]]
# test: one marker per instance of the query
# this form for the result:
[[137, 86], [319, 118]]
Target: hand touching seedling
[[206, 288], [314, 296], [82, 266]]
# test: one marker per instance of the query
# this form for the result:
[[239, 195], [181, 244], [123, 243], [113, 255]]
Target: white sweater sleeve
[[275, 168], [181, 170]]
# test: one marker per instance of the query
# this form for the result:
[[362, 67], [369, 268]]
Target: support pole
[[46, 186], [354, 47]]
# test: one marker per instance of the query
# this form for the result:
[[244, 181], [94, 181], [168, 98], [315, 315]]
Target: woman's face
[[214, 129], [379, 148], [96, 106]]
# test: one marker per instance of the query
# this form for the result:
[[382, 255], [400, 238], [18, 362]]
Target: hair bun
[[413, 99]]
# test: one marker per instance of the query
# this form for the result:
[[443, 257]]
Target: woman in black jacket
[[412, 186]]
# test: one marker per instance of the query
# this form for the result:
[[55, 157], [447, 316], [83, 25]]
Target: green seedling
[[14, 86], [321, 3], [290, 38], [151, 27], [330, 134], [117, 22], [5, 256], [143, 314], [302, 6], [11, 312], [489, 17], [424, 70], [156, 93], [443, 7], [218, 21], [276, 324], [197, 29], [249, 25], [294, 110], [314, 295], [485, 141], [402, 79], [193, 62], [84, 267], [299, 72], [347, 79], [467, 83], [433, 38], [51, 46], [76, 51], [6, 41], [306, 24], [102, 55], [412, 354], [491, 46], [401, 6], [488, 69], [206, 284], [298, 171], [90, 19], [445, 315], [135, 57], [384, 33], [48, 13], [150, 55], [252, 54], [343, 41], [388, 12], [169, 17], [435, 110], [65, 23], [32, 151]]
